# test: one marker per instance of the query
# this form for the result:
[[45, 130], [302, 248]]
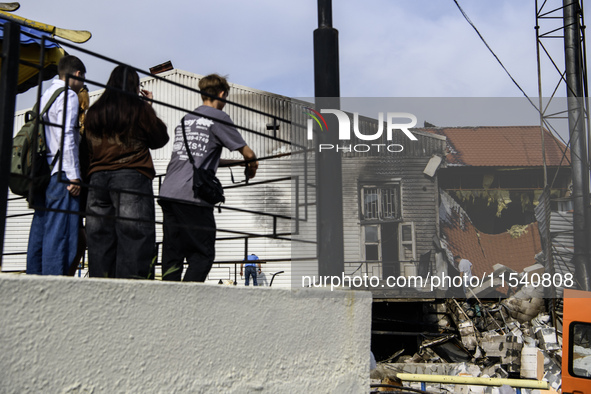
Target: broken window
[[380, 203], [380, 214], [408, 248]]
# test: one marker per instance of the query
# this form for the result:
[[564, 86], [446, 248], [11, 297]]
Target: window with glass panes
[[372, 243]]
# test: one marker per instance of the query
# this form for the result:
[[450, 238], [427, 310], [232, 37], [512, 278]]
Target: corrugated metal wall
[[560, 224], [561, 232], [304, 245], [18, 222]]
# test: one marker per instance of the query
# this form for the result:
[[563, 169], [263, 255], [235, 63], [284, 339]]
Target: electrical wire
[[539, 110], [492, 52]]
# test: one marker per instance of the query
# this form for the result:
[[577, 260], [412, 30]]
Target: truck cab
[[576, 349]]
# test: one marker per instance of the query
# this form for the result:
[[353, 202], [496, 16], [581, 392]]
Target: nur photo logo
[[392, 123], [317, 117]]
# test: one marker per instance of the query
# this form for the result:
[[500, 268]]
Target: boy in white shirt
[[53, 237]]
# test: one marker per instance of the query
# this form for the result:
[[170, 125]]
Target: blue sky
[[388, 48]]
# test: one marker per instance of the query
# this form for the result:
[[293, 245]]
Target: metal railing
[[272, 134]]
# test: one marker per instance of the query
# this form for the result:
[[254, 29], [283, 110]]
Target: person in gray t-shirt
[[189, 228]]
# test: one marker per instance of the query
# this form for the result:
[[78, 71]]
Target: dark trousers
[[189, 232], [120, 228]]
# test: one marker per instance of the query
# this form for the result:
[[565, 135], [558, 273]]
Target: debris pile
[[511, 338]]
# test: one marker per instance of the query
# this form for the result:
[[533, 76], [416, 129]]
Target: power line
[[539, 110], [493, 53]]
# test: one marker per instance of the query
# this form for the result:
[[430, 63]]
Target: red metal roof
[[486, 250], [510, 146]]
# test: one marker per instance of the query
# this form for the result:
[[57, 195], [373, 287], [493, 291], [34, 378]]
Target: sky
[[387, 48]]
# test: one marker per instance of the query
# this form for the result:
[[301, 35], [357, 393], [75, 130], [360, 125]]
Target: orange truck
[[576, 345]]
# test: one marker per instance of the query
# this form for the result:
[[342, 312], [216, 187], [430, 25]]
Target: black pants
[[189, 232], [120, 227]]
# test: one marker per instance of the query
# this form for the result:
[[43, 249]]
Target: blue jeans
[[120, 230], [248, 271], [53, 239]]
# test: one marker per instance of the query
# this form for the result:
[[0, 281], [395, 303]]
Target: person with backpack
[[53, 237], [121, 127]]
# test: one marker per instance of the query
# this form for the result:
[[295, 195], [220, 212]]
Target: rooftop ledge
[[62, 334]]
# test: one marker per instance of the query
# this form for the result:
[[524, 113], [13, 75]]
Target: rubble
[[510, 339], [507, 347], [532, 363]]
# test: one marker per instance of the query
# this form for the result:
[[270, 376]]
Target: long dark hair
[[117, 111]]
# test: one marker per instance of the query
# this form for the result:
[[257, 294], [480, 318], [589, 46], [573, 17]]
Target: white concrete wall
[[61, 335]]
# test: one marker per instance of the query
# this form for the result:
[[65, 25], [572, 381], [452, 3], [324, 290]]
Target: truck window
[[580, 349]]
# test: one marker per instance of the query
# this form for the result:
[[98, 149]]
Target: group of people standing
[[119, 130]]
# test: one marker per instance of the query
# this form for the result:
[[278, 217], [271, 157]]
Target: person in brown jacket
[[121, 128]]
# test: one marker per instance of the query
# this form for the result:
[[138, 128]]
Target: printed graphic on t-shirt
[[197, 131]]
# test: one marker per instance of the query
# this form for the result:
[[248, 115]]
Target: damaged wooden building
[[390, 204], [492, 182], [489, 184]]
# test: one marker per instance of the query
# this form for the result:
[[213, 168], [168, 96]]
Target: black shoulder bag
[[206, 186]]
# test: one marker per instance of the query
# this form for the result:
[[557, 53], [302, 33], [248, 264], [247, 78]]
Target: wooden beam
[[77, 36]]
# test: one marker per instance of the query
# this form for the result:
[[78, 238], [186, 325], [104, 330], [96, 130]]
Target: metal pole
[[329, 183], [580, 169], [469, 380], [8, 89], [326, 54], [549, 292], [540, 100]]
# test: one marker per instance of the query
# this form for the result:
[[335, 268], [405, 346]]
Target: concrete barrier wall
[[66, 335]]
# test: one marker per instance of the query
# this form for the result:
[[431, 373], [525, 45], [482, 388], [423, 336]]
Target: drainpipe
[[469, 380]]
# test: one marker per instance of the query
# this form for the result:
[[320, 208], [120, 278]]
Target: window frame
[[378, 243], [402, 243], [363, 186], [571, 348]]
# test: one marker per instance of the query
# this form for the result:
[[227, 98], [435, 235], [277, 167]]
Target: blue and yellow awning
[[30, 51]]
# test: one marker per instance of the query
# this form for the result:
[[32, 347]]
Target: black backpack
[[29, 171]]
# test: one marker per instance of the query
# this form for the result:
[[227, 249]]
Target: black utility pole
[[329, 182], [579, 160], [326, 54], [8, 86]]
